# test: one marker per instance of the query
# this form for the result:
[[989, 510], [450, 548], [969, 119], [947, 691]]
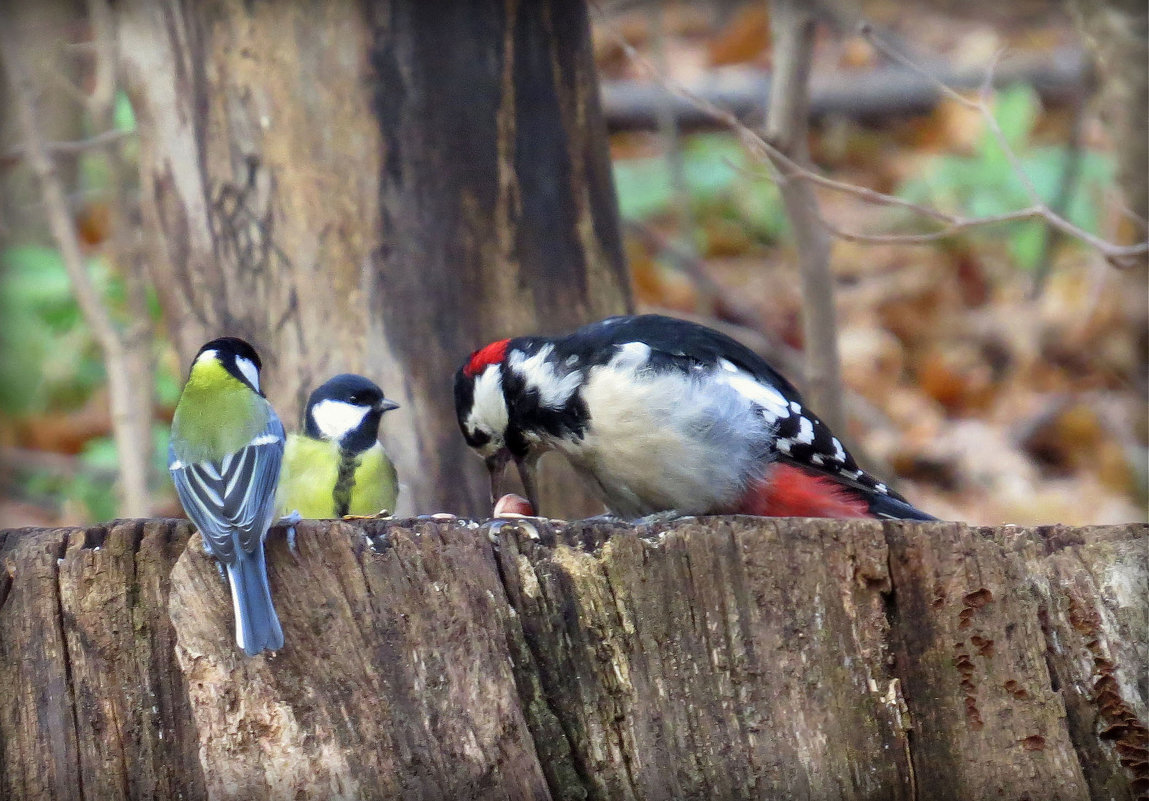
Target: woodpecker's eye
[[354, 400]]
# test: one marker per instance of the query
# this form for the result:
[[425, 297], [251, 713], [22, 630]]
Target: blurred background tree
[[382, 187]]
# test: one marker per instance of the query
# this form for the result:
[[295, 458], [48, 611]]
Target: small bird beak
[[386, 405], [527, 467], [497, 466]]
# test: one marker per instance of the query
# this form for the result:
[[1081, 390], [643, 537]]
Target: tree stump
[[709, 658]]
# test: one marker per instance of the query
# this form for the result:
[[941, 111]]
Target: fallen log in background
[[717, 658], [869, 95]]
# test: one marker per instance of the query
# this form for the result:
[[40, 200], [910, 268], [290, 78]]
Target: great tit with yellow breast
[[337, 466], [224, 457]]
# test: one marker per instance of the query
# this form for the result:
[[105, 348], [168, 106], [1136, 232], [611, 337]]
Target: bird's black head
[[237, 357], [479, 404], [501, 410], [347, 409]]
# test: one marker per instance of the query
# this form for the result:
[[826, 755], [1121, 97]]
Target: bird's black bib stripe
[[345, 482]]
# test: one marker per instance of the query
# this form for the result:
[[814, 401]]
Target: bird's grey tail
[[256, 624]]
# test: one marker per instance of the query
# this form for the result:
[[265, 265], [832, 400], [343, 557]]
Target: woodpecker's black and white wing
[[232, 501]]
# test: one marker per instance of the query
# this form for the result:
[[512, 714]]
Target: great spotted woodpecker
[[662, 415]]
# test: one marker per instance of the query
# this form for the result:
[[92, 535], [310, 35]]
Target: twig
[[954, 226], [793, 25], [60, 464], [1116, 254], [73, 147], [120, 381], [726, 306], [133, 427], [672, 146], [875, 94], [1066, 186], [1120, 256]]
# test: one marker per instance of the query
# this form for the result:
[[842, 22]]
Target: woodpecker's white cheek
[[207, 356], [249, 370], [488, 407], [336, 418]]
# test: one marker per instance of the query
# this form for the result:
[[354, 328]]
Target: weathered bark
[[376, 187], [717, 658]]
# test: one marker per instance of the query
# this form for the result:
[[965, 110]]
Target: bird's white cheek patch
[[336, 418], [249, 370], [488, 406]]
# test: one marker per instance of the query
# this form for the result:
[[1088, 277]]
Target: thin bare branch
[[132, 418], [121, 382], [1120, 256], [55, 199], [793, 26], [75, 147], [955, 226]]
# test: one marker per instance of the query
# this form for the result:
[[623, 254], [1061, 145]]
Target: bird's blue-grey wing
[[233, 500], [252, 510], [200, 489]]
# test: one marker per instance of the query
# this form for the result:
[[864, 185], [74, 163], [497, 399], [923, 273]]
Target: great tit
[[337, 466], [225, 453]]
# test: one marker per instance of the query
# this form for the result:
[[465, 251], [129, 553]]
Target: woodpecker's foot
[[222, 571], [522, 523], [288, 521], [381, 514]]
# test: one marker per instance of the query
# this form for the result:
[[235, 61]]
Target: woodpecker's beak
[[386, 405], [527, 466], [497, 466]]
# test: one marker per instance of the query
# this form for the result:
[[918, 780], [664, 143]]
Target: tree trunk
[[375, 187], [728, 658]]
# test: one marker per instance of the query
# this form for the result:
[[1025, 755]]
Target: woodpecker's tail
[[791, 491], [890, 508], [256, 624]]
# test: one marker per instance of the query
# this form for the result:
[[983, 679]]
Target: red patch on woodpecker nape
[[787, 491], [485, 356]]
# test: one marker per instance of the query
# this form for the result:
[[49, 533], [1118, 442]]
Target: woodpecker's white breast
[[659, 440]]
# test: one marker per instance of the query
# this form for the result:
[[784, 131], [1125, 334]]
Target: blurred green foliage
[[722, 182], [50, 359], [51, 362], [985, 183], [719, 182]]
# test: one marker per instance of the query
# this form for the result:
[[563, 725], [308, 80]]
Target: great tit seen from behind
[[224, 458], [337, 466]]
